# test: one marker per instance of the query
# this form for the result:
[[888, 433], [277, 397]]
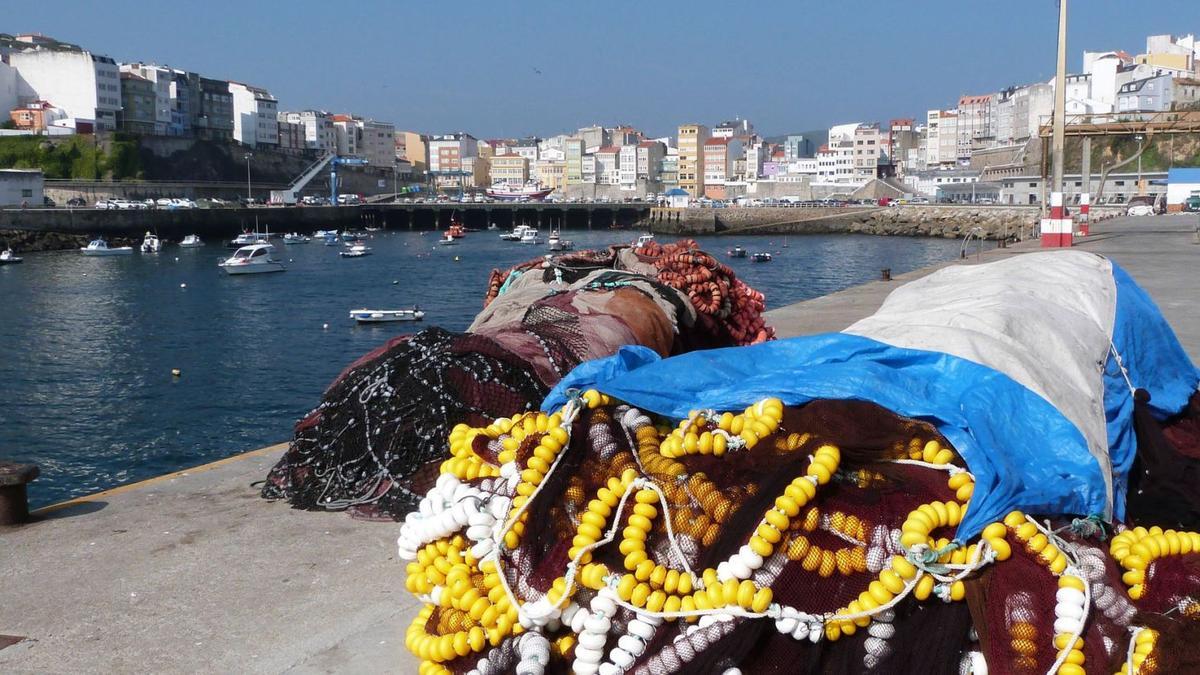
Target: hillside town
[[979, 148]]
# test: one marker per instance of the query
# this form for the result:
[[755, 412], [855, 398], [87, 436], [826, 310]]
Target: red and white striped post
[[1056, 230], [1084, 219]]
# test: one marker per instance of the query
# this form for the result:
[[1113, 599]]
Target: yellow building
[[511, 169], [552, 173], [411, 146], [691, 158], [1181, 62]]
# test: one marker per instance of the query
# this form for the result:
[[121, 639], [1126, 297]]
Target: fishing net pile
[[373, 443], [887, 510]]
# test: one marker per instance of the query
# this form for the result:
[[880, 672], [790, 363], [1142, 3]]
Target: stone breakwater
[[950, 222]]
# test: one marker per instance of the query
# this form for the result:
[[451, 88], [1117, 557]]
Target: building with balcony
[[691, 140], [511, 169], [608, 165], [139, 101]]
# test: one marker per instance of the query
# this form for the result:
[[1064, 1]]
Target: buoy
[[176, 259], [394, 282], [176, 372], [325, 326], [455, 258], [183, 285]]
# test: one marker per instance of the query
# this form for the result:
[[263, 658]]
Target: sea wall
[[948, 221]]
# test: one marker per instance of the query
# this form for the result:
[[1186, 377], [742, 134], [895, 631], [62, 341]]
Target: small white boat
[[386, 315], [99, 247], [7, 257], [191, 241], [516, 234], [355, 251], [557, 243], [295, 238], [250, 238], [322, 234], [252, 259], [530, 236], [331, 238], [448, 240], [760, 257], [151, 243], [493, 227], [643, 240]]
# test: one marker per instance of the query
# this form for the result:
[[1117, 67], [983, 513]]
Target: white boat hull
[[386, 315], [106, 252], [254, 268]]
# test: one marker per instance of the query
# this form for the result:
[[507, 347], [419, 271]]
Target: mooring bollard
[[885, 274], [14, 502]]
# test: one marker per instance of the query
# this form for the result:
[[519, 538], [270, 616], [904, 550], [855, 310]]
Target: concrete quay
[[193, 572]]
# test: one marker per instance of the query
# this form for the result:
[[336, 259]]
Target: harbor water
[[88, 345]]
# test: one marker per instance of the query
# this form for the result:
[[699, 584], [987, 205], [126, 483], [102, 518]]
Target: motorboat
[[643, 240], [151, 243], [325, 234], [530, 236], [386, 315], [516, 234], [7, 257], [761, 257], [191, 241], [99, 247], [331, 238], [557, 243], [493, 227], [249, 238], [456, 230], [356, 251], [737, 252], [448, 240], [252, 259], [295, 238], [373, 229], [354, 236]]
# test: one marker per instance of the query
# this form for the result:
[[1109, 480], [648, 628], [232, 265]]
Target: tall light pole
[[1139, 138], [249, 196], [1057, 230], [395, 182]]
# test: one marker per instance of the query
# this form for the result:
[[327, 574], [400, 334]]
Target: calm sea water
[[87, 345]]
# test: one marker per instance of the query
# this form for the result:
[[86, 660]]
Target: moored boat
[[522, 193], [7, 257], [356, 251], [643, 240], [761, 257], [386, 315], [296, 238], [447, 240], [151, 243], [737, 252], [191, 241], [557, 243], [252, 259], [100, 248]]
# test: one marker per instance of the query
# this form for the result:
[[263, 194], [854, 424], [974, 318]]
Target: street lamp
[[1139, 138], [249, 195], [395, 182]]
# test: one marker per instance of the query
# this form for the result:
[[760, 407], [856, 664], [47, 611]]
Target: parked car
[[1192, 203], [76, 201], [105, 204], [48, 203], [1140, 210]]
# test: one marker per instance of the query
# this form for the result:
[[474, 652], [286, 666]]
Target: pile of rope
[[713, 288], [600, 539]]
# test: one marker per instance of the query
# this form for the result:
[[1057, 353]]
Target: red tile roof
[[608, 149], [717, 141]]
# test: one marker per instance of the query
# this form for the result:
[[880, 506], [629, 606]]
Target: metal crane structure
[[333, 174], [291, 195]]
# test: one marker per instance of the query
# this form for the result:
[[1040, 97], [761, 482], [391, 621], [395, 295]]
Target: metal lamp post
[[395, 182], [1139, 138], [249, 195]]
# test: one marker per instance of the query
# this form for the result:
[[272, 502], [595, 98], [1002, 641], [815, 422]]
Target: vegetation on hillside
[[72, 156], [1162, 152]]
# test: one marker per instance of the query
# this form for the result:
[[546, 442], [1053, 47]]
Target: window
[[26, 193], [1033, 185]]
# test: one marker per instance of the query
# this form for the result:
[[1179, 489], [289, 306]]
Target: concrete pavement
[[193, 572]]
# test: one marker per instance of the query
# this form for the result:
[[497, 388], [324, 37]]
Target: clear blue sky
[[466, 65]]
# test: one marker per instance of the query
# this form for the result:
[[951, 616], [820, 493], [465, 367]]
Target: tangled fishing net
[[372, 445], [924, 492]]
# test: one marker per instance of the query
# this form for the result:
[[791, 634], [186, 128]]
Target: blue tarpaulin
[[1024, 452]]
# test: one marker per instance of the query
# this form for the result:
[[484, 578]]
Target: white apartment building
[[588, 166], [976, 123], [86, 86], [255, 115], [941, 144], [627, 161], [929, 182], [756, 156], [371, 140], [162, 79], [608, 165], [729, 129]]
